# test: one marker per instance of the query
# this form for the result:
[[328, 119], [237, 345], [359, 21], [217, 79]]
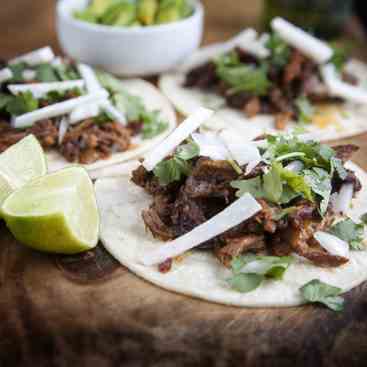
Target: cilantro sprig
[[249, 271], [18, 105], [280, 51], [350, 232], [133, 106], [316, 291], [178, 166]]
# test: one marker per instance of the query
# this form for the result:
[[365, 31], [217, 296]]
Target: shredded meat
[[282, 119], [156, 226], [345, 152], [252, 107], [237, 246], [88, 142]]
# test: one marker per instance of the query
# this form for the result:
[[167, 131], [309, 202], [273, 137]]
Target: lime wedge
[[19, 164], [55, 213]]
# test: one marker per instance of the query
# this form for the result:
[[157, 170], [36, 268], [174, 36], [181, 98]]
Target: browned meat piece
[[299, 236], [166, 266], [156, 226], [294, 68], [349, 78], [282, 119], [237, 246], [46, 131], [237, 100], [135, 127], [279, 101], [186, 214], [345, 152], [203, 76], [245, 57], [88, 142], [210, 179], [252, 107]]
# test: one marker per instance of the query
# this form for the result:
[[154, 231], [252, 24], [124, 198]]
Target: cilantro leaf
[[4, 100], [250, 271], [45, 73], [320, 183], [188, 151], [17, 70], [21, 104], [350, 232], [253, 186], [280, 51], [245, 78], [316, 291], [245, 283], [171, 170], [305, 109], [273, 186], [152, 124], [66, 72], [337, 165], [339, 57]]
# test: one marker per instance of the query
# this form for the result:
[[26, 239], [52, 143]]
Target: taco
[[277, 81], [79, 115], [276, 221]]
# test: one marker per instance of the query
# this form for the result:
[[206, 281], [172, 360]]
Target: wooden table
[[89, 311]]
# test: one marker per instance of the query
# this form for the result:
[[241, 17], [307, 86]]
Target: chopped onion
[[40, 90], [295, 166], [43, 55], [332, 244], [113, 112], [338, 88], [29, 74], [248, 41], [316, 49], [84, 112], [182, 132], [343, 199], [63, 128], [211, 146], [241, 210], [5, 74], [115, 170], [57, 109], [242, 152], [91, 81]]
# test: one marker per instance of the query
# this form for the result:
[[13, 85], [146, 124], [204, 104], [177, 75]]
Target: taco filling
[[296, 192], [287, 74], [85, 116]]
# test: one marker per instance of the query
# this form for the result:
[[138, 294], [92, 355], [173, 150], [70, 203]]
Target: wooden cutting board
[[88, 310]]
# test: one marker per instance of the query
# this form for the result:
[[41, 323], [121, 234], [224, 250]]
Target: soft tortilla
[[199, 274], [346, 120], [153, 100]]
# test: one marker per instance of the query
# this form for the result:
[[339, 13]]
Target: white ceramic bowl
[[128, 51]]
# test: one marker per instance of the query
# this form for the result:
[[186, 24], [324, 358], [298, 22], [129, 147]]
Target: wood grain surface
[[88, 310]]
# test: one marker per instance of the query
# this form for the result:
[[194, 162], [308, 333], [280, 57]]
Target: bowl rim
[[66, 15]]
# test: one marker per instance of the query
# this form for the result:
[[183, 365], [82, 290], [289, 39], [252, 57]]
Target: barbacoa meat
[[181, 206]]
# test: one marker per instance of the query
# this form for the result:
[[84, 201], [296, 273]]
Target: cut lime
[[19, 164], [55, 213]]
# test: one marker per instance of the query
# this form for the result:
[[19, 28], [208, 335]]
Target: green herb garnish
[[21, 104], [351, 232], [318, 292], [250, 271]]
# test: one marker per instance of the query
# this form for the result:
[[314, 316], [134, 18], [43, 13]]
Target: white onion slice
[[84, 112], [40, 56], [63, 128], [115, 170], [241, 210], [341, 202], [338, 88], [333, 245], [91, 81], [248, 41], [57, 109], [40, 90], [295, 166], [113, 112], [29, 74], [182, 132], [242, 152], [316, 49], [211, 146], [5, 74], [57, 62]]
